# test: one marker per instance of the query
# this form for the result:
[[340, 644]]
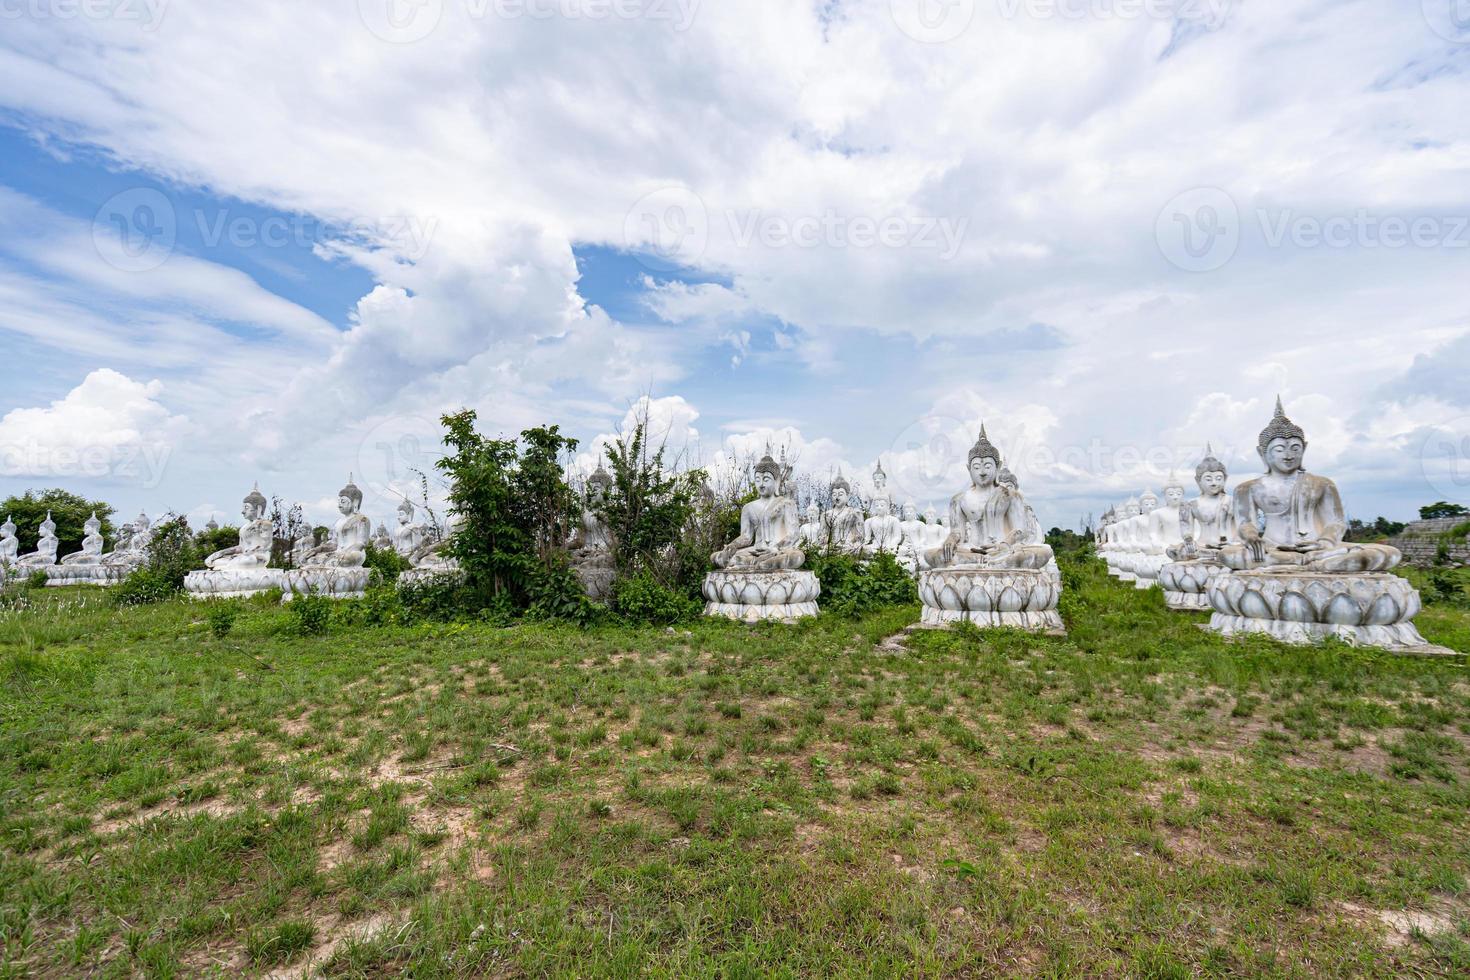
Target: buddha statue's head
[[1131, 508], [813, 512], [253, 506], [1007, 479], [841, 490], [880, 479], [1210, 475], [92, 525], [1148, 502], [349, 498], [768, 476], [931, 516], [1173, 492], [598, 484], [405, 511], [48, 527], [8, 529], [140, 523], [1282, 443], [881, 506], [984, 462], [910, 512]]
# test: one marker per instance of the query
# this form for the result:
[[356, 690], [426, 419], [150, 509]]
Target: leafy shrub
[[557, 595], [379, 606], [143, 587], [1444, 588], [447, 597], [36, 580], [221, 617], [851, 587], [172, 554], [385, 565], [311, 614], [643, 599], [208, 542]]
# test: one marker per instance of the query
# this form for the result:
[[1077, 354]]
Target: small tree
[[288, 525], [489, 541], [1443, 508]]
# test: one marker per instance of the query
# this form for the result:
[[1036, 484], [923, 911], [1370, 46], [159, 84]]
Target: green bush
[[144, 586], [643, 599], [447, 597], [221, 617], [385, 565], [380, 606], [311, 614], [208, 542], [557, 595], [1444, 588], [172, 554], [851, 587], [36, 580]]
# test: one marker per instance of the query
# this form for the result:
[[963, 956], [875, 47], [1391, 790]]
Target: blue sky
[[873, 231]]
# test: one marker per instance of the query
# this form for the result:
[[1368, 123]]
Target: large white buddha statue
[[257, 535], [844, 522], [1207, 523], [348, 546], [409, 535], [769, 527], [882, 531], [46, 544], [987, 522], [1301, 517], [9, 543], [91, 553]]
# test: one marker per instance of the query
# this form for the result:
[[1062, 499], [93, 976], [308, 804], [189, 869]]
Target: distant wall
[[1420, 542]]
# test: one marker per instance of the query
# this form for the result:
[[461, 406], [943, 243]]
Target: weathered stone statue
[[142, 535], [91, 553], [303, 545], [591, 544], [1159, 532], [813, 534], [915, 539], [988, 570], [212, 525], [241, 570], [844, 522], [882, 531], [1123, 549], [1293, 576], [1034, 533], [9, 543], [334, 568], [45, 554], [410, 535], [757, 574], [880, 482], [1206, 524], [381, 539]]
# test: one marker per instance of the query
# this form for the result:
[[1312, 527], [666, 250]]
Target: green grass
[[1140, 798]]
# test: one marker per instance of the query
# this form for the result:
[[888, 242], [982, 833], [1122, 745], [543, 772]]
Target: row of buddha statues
[[89, 564]]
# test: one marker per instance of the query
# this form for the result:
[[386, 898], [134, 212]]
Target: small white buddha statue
[[257, 535], [987, 521], [1163, 520], [844, 522], [769, 526], [381, 540], [934, 532], [9, 543], [122, 549], [591, 543], [303, 545], [409, 535], [1008, 480], [212, 525], [142, 535], [348, 547], [882, 531], [1207, 523], [880, 482], [46, 544], [91, 553], [1302, 514], [813, 534]]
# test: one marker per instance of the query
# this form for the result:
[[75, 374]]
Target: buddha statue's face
[[766, 483], [596, 492], [1212, 483], [1284, 456], [251, 511], [881, 507], [1173, 496], [839, 497], [404, 516], [910, 512], [1130, 511], [931, 516], [813, 513], [983, 470], [346, 505], [1148, 503]]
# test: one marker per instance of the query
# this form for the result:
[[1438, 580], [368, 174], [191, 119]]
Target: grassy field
[[1140, 798]]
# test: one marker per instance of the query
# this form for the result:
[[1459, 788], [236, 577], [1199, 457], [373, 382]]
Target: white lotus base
[[991, 597], [334, 583], [99, 575], [1368, 609], [234, 583], [755, 596], [1186, 583]]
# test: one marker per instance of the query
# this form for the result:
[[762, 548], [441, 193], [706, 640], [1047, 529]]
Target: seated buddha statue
[[1163, 520], [844, 522], [1207, 523], [1290, 519], [348, 546], [882, 531], [9, 543], [769, 526], [988, 526], [46, 544], [256, 537], [91, 553], [812, 534], [591, 542], [409, 535]]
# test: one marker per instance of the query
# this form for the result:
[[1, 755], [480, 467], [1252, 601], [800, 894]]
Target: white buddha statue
[[934, 531], [122, 553], [1207, 523], [844, 522], [409, 535], [882, 531], [142, 535], [813, 535], [91, 553], [1160, 532], [1035, 535], [9, 543], [303, 545], [1302, 514], [348, 547], [880, 483], [46, 544], [915, 535], [592, 542], [987, 521], [257, 535], [769, 527], [381, 540]]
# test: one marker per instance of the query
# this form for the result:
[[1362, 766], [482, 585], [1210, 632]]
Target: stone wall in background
[[1420, 542]]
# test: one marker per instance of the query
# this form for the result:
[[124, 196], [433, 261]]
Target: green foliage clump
[[558, 595], [143, 587], [851, 587], [37, 580], [221, 618], [310, 614], [68, 511], [642, 598], [172, 554], [385, 565], [1444, 588], [446, 597], [1442, 508], [208, 542]]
